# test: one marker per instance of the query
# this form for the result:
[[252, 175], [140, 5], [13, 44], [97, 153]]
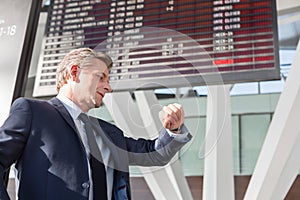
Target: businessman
[[61, 153]]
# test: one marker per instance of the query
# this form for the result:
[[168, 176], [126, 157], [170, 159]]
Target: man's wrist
[[182, 136], [176, 130]]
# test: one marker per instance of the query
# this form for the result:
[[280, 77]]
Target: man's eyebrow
[[104, 74]]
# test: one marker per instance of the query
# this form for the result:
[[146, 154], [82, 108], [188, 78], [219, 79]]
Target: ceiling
[[288, 23]]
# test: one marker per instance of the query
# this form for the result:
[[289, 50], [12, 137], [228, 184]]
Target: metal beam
[[287, 6], [218, 183], [278, 163]]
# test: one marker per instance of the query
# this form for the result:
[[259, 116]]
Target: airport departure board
[[156, 43]]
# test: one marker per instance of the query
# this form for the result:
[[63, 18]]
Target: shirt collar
[[72, 108]]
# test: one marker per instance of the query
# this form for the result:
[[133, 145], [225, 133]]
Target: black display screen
[[171, 43]]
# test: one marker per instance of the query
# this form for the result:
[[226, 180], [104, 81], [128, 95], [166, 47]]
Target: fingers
[[173, 116], [174, 111]]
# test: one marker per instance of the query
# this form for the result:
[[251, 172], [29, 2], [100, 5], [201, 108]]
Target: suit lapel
[[118, 154], [105, 141], [58, 105]]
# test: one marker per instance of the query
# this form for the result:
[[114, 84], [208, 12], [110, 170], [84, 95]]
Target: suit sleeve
[[156, 152], [13, 136]]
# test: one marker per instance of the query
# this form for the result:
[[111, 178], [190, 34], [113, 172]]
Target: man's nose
[[108, 87]]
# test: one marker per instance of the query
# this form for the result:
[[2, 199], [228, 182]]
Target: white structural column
[[218, 183], [278, 163], [162, 181], [287, 6]]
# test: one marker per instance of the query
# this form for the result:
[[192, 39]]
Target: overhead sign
[[171, 43]]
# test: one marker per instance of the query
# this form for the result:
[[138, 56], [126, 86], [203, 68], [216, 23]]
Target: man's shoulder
[[106, 124], [29, 100], [110, 128], [22, 101], [30, 103]]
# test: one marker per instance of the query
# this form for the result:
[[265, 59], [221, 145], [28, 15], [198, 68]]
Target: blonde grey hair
[[77, 57]]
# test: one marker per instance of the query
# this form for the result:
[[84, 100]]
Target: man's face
[[91, 84]]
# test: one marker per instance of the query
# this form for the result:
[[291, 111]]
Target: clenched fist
[[172, 116]]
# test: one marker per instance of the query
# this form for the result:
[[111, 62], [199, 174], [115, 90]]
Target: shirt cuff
[[182, 136]]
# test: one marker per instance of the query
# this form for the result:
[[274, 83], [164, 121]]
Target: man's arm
[[3, 191], [171, 139], [13, 134]]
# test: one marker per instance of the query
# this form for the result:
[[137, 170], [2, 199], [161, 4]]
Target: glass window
[[253, 131]]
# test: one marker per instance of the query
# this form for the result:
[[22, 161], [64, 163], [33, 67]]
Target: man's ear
[[74, 71]]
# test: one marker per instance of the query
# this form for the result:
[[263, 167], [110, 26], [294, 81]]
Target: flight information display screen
[[156, 44]]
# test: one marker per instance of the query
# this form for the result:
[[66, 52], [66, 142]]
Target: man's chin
[[98, 105]]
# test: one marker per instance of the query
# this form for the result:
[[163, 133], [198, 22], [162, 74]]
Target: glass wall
[[250, 122], [253, 129]]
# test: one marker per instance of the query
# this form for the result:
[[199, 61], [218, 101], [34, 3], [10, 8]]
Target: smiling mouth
[[102, 95]]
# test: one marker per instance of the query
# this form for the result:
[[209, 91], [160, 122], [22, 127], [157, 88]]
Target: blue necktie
[[97, 166]]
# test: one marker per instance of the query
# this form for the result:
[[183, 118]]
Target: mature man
[[61, 153]]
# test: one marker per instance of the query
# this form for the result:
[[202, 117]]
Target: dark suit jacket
[[41, 138]]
